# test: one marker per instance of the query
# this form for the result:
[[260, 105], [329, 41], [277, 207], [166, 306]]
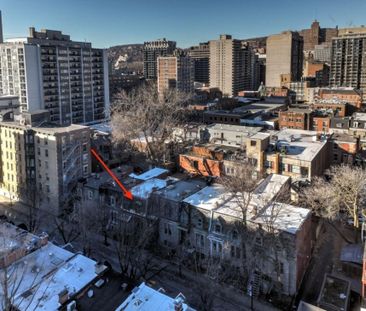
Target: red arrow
[[127, 194]]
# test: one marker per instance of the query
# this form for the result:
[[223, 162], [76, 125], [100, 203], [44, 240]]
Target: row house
[[216, 233]]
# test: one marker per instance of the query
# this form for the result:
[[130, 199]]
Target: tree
[[132, 241], [148, 118], [242, 186], [344, 193], [31, 198]]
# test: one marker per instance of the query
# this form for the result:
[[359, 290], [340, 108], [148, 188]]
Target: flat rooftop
[[247, 130], [262, 208], [259, 107], [49, 128], [104, 128], [209, 197], [284, 217], [298, 144], [39, 276], [181, 189], [145, 298], [14, 238], [153, 173], [144, 190]]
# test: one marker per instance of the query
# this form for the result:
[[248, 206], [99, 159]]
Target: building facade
[[152, 50], [49, 71], [284, 58], [175, 72], [348, 63], [40, 162], [201, 58], [231, 65]]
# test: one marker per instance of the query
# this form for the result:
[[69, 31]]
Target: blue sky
[[111, 22]]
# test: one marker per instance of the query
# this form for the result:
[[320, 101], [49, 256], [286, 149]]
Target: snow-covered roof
[[283, 217], [262, 208], [44, 273], [144, 189], [145, 298], [155, 172], [265, 193], [102, 127], [300, 144], [209, 197]]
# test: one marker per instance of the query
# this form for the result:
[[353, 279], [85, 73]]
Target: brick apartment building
[[348, 95], [295, 118]]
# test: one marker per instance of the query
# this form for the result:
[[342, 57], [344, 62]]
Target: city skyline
[[238, 18]]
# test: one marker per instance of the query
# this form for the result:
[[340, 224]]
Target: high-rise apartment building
[[201, 58], [284, 58], [348, 61], [175, 72], [1, 29], [49, 71], [40, 161], [152, 50], [231, 65]]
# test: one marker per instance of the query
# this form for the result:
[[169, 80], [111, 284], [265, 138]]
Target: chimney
[[178, 302], [63, 296], [1, 29]]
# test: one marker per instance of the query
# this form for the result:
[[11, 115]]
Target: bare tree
[[242, 186], [345, 192], [132, 242], [148, 117], [31, 197]]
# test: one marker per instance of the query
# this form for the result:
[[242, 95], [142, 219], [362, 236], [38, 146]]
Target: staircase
[[254, 284]]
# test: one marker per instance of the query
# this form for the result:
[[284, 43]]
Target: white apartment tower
[[49, 71], [230, 65]]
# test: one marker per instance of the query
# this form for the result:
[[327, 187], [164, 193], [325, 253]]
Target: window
[[90, 195], [167, 229], [296, 169], [199, 222], [195, 164], [335, 146], [218, 228], [216, 248], [200, 241], [235, 252], [235, 235], [46, 152], [253, 143], [280, 267], [112, 201], [258, 241], [335, 157], [289, 167], [268, 164], [304, 171]]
